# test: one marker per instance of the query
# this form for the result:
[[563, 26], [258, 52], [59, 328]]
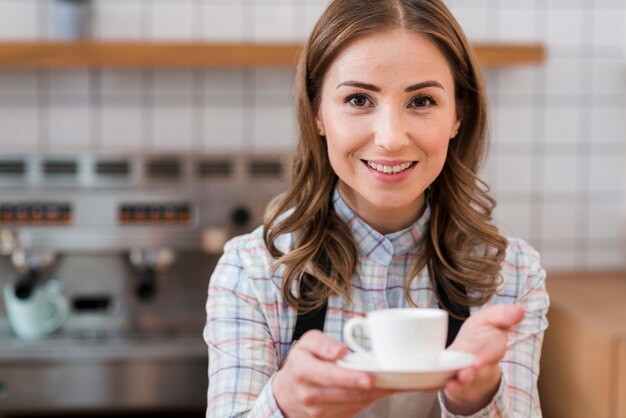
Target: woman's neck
[[384, 220]]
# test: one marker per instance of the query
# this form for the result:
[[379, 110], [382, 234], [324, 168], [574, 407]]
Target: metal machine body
[[134, 239]]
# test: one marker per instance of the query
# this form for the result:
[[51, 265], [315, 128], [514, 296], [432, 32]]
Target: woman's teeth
[[389, 169]]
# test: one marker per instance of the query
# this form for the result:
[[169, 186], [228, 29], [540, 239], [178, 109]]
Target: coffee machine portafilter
[[150, 265], [31, 267]]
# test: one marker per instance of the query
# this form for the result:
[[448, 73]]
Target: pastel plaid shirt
[[249, 326]]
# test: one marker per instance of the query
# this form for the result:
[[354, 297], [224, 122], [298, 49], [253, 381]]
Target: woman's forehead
[[397, 55]]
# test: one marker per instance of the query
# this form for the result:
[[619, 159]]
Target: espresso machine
[[131, 241]]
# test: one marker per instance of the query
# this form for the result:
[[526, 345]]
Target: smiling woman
[[385, 210]]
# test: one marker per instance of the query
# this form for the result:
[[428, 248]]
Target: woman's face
[[388, 112]]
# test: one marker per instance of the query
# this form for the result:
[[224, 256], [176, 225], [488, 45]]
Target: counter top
[[595, 298]]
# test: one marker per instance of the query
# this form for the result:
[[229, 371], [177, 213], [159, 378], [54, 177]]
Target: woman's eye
[[422, 101], [358, 100]]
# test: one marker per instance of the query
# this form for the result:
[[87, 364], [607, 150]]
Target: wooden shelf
[[136, 55]]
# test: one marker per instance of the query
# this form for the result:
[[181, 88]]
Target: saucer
[[427, 377]]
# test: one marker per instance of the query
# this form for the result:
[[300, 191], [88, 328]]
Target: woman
[[385, 210]]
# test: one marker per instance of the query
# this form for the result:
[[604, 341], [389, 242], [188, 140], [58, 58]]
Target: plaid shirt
[[249, 326]]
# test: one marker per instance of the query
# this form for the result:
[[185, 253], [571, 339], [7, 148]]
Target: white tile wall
[[604, 259], [69, 83], [562, 125], [605, 173], [608, 26], [224, 20], [474, 18], [558, 130], [605, 222], [224, 127], [119, 20], [172, 128], [19, 19], [515, 219], [514, 23], [122, 125], [173, 83], [517, 83], [512, 174], [564, 77], [512, 127], [560, 221], [607, 77], [19, 127], [226, 84], [563, 256], [274, 20], [173, 20], [20, 83], [608, 125], [559, 174], [121, 83], [273, 127], [70, 127], [565, 26], [312, 11]]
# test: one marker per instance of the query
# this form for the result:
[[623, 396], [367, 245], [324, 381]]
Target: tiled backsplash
[[557, 158]]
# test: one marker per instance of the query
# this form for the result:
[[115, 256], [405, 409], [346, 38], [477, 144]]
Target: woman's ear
[[320, 125], [459, 118], [455, 129]]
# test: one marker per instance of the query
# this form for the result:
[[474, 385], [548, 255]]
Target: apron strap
[[461, 313]]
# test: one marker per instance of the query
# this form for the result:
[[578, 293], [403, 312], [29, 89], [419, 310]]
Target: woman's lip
[[390, 163], [390, 177]]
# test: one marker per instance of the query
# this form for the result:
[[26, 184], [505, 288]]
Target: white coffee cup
[[43, 312], [401, 338]]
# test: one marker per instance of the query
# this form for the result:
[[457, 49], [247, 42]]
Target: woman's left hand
[[485, 335]]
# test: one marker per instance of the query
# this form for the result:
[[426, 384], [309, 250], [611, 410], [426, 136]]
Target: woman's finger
[[324, 373], [453, 388], [321, 346], [504, 316], [328, 396], [467, 375], [313, 362]]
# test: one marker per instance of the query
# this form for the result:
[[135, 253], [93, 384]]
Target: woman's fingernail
[[363, 382], [468, 377], [332, 350]]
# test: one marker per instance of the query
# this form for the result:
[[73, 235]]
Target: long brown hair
[[463, 250]]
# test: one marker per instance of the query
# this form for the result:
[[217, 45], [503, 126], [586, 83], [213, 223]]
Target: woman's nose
[[390, 130]]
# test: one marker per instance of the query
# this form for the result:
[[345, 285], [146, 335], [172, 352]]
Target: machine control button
[[35, 214], [155, 214]]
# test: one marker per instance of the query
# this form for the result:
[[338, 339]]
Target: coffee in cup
[[401, 338]]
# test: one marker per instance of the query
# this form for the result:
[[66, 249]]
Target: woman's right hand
[[311, 385]]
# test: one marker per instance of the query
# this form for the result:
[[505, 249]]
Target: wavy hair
[[462, 250]]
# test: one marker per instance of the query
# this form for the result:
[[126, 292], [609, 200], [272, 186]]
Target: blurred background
[[119, 183]]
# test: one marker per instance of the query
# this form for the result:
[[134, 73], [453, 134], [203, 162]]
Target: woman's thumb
[[505, 316]]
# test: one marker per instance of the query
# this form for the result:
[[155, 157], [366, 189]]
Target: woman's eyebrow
[[359, 84], [371, 87], [424, 84]]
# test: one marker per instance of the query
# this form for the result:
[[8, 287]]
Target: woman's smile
[[390, 171]]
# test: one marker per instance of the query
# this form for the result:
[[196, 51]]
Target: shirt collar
[[373, 244]]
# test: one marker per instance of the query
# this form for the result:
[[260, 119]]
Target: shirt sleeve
[[243, 356], [517, 395]]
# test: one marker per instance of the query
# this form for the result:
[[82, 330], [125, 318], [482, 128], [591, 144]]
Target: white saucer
[[425, 378]]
